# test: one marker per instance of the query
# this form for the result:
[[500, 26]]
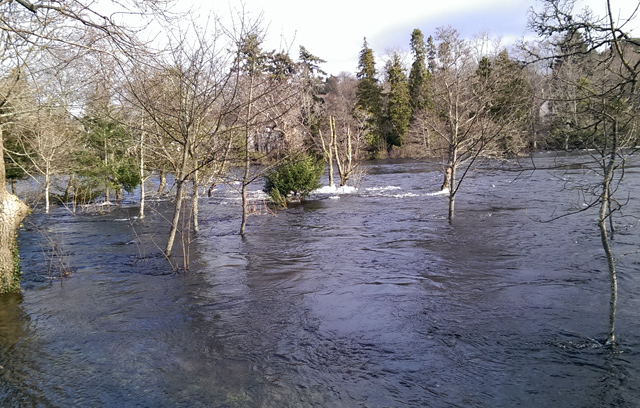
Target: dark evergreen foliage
[[398, 104], [369, 96], [106, 157], [419, 75], [298, 176], [313, 88]]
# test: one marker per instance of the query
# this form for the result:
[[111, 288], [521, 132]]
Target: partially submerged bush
[[297, 176]]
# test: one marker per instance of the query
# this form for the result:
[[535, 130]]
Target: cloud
[[334, 29]]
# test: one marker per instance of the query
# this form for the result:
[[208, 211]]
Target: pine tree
[[419, 76], [398, 105], [250, 54], [313, 79], [369, 96], [311, 63], [484, 68], [431, 55], [512, 102], [575, 61]]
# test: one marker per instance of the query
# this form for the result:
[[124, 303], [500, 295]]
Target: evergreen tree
[[484, 68], [369, 96], [298, 176], [279, 65], [311, 63], [575, 61], [509, 101], [398, 105], [511, 98], [250, 54], [108, 157], [419, 76], [313, 86], [431, 55]]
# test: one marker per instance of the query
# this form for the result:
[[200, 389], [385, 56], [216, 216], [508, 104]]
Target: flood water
[[367, 299]]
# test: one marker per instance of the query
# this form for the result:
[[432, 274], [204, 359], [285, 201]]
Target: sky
[[334, 30]]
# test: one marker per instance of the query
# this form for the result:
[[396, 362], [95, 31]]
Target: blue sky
[[334, 29]]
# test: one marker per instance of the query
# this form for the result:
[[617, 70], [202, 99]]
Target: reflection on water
[[368, 299]]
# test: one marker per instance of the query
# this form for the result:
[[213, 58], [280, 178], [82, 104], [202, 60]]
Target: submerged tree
[[605, 102], [45, 143], [30, 34], [344, 145], [466, 111], [108, 155], [297, 175], [186, 105], [270, 88]]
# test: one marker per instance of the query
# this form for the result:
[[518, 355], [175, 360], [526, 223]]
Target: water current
[[364, 299]]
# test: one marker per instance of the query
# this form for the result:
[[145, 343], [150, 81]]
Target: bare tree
[[46, 139], [345, 145], [471, 107], [187, 101], [29, 33], [345, 151], [604, 101], [269, 95]]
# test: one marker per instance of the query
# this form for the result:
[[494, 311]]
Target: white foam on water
[[332, 189], [387, 188], [444, 191], [258, 195], [405, 195]]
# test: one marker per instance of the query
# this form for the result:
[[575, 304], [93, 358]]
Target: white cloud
[[334, 29]]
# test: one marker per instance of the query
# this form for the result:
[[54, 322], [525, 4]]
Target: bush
[[298, 176]]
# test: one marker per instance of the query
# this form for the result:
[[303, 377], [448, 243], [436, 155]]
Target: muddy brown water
[[367, 299]]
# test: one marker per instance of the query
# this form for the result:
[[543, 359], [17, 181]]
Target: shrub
[[297, 176]]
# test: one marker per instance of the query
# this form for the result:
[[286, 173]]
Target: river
[[364, 299]]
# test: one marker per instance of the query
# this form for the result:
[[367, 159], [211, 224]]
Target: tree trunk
[[47, 187], [67, 191], [613, 301], [243, 224], [350, 168], [247, 159], [194, 203], [451, 173], [176, 218], [452, 192], [12, 212], [427, 141], [163, 182], [141, 172], [142, 190], [180, 179], [329, 151], [605, 212], [446, 183], [211, 188]]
